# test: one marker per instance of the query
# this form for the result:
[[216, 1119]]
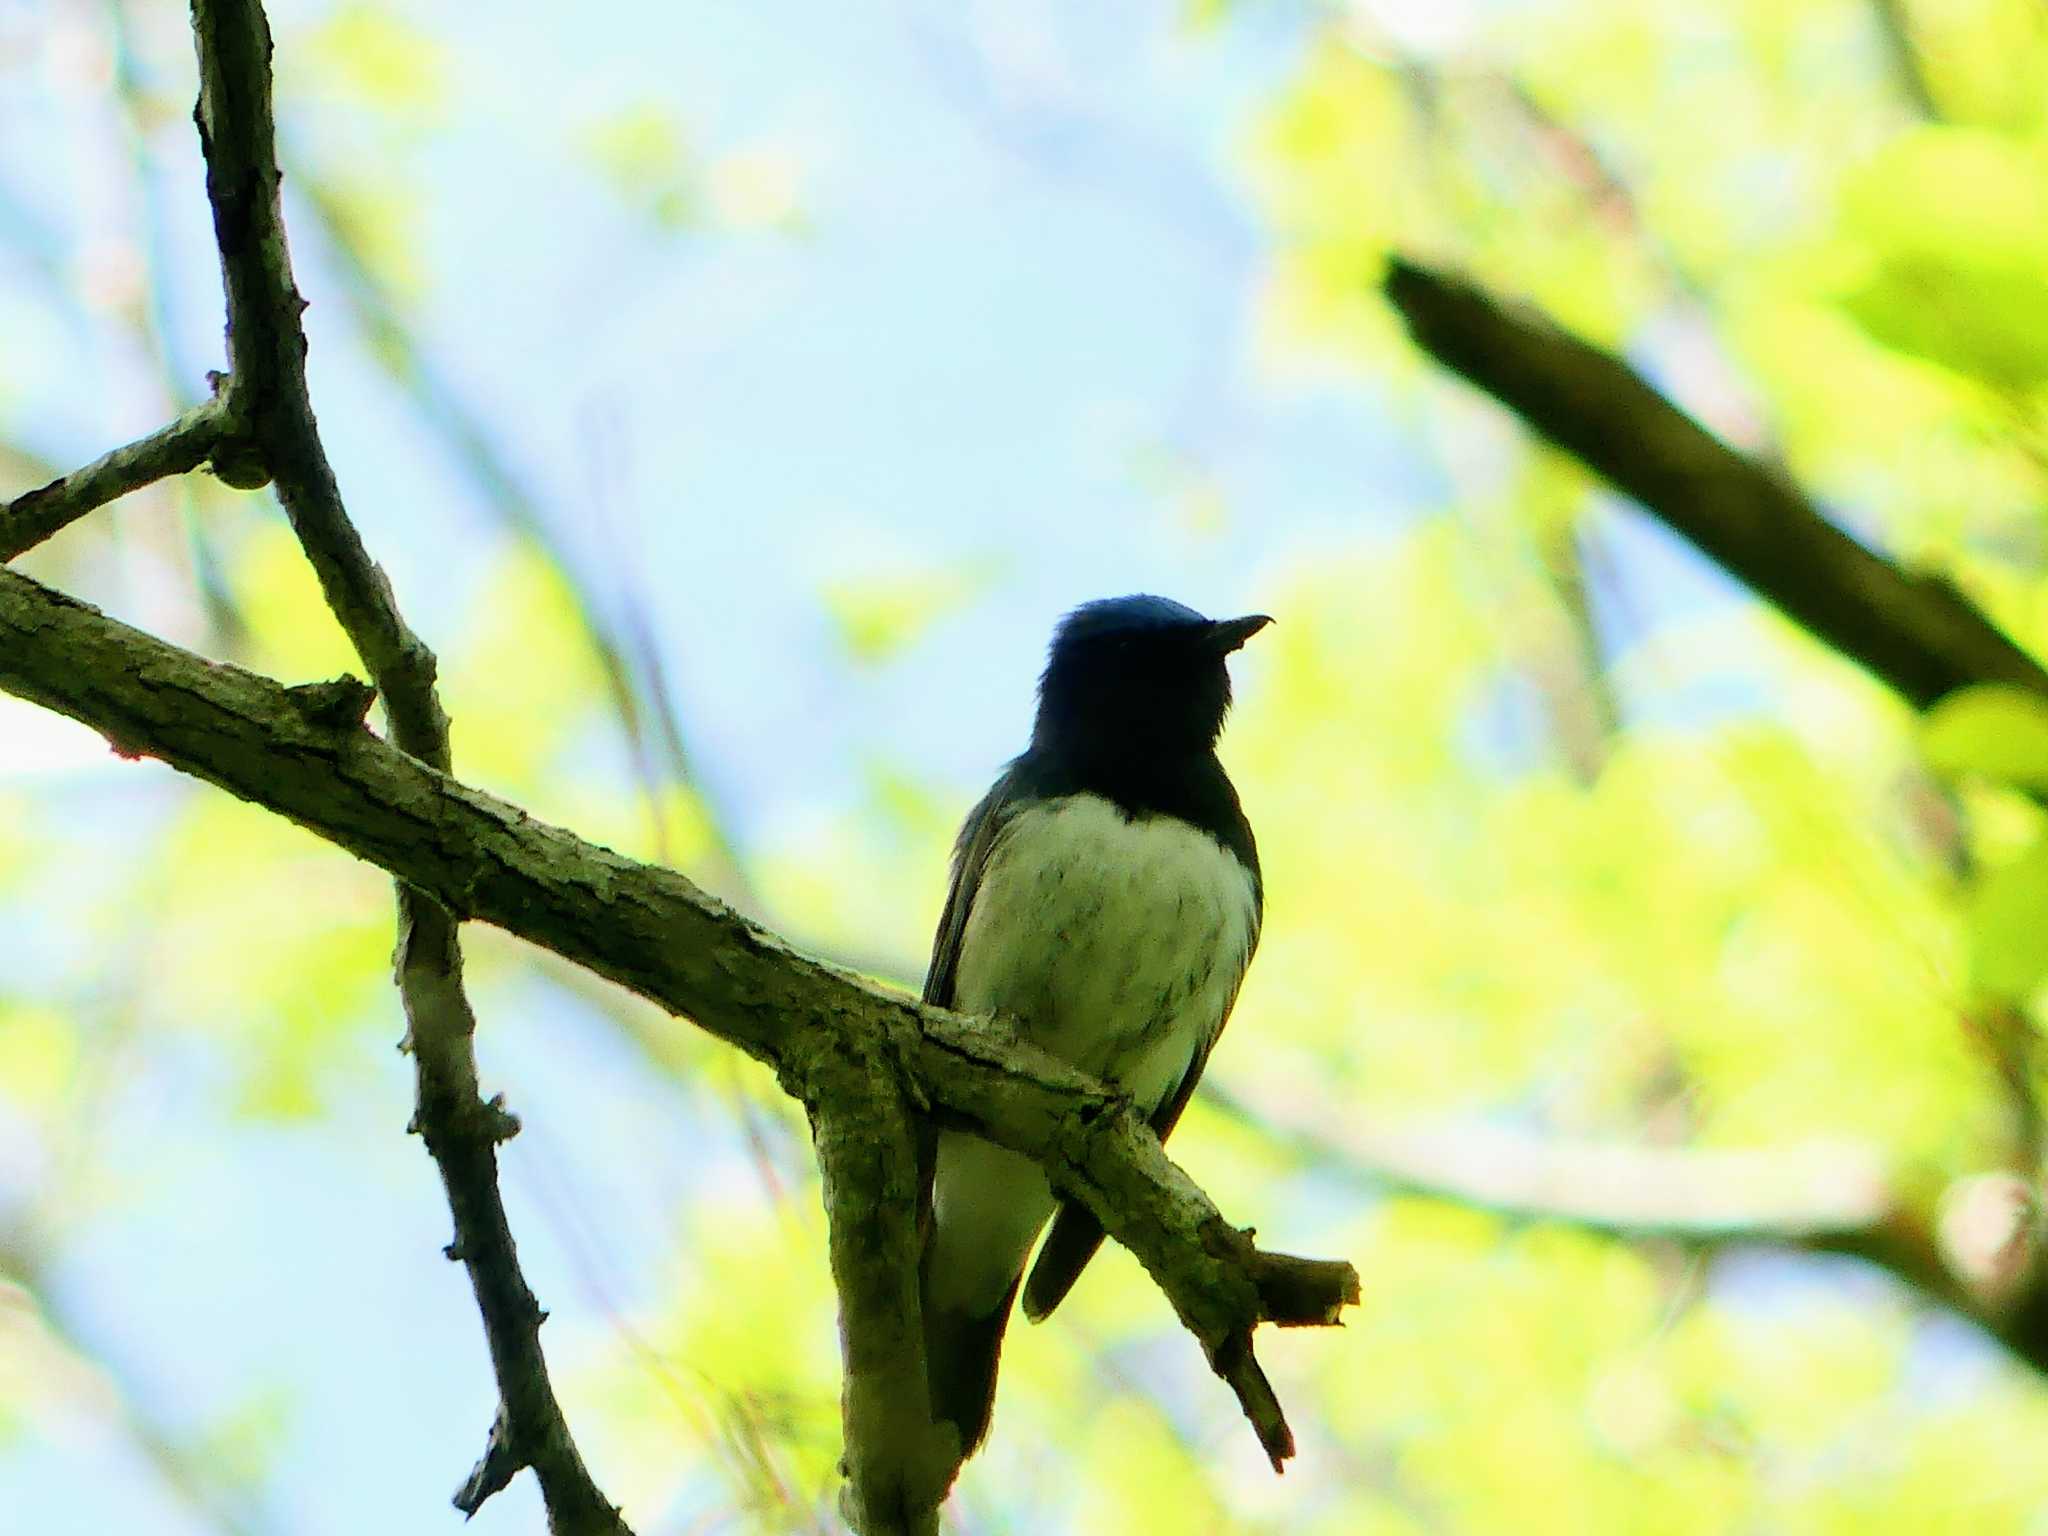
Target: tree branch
[[898, 1465], [302, 753], [1895, 26], [1829, 1198], [184, 445], [1915, 631], [267, 348]]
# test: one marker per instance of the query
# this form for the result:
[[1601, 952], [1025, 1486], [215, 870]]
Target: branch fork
[[870, 1065]]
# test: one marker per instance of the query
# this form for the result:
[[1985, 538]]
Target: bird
[[1105, 902]]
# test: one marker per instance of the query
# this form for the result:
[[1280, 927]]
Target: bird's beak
[[1226, 635]]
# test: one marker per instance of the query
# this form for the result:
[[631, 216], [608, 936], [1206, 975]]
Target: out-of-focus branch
[[1895, 26], [175, 449], [1585, 713], [303, 753], [1981, 1261], [267, 347], [1913, 630], [631, 664], [1786, 1194]]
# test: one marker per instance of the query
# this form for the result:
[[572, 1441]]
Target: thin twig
[[184, 445], [267, 345]]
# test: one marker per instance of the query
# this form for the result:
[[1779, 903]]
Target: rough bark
[[897, 1465], [183, 445]]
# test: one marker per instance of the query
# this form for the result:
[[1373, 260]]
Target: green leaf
[[1996, 729], [377, 55], [642, 151], [2009, 926], [1954, 225], [881, 614]]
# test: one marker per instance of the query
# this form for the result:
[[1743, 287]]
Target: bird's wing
[[1076, 1234], [970, 856]]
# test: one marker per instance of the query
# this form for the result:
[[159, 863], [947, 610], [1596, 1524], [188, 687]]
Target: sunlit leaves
[[290, 633], [270, 945], [1955, 226], [742, 1369], [641, 151], [39, 1062], [2000, 733], [378, 219], [1746, 924], [240, 1445], [522, 683], [374, 55], [2008, 911], [1713, 918], [1997, 730], [1334, 175], [878, 615]]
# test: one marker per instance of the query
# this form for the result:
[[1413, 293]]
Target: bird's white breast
[[1115, 943], [1111, 941]]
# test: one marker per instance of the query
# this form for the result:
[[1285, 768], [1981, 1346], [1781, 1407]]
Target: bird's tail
[[961, 1351]]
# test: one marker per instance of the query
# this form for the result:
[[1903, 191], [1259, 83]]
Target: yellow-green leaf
[[1995, 729], [2009, 926]]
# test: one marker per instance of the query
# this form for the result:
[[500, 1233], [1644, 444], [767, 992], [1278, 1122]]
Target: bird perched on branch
[[1105, 903]]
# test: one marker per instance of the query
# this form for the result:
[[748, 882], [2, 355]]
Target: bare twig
[[267, 346], [1913, 630], [184, 445], [650, 930]]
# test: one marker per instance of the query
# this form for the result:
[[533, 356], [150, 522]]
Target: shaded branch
[[1913, 630], [898, 1464], [176, 449], [267, 348], [645, 927]]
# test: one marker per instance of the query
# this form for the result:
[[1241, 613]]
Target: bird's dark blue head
[[1137, 674]]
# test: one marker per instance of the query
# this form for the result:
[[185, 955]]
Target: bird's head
[[1138, 674]]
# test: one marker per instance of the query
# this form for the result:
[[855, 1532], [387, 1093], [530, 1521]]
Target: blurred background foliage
[[735, 399]]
